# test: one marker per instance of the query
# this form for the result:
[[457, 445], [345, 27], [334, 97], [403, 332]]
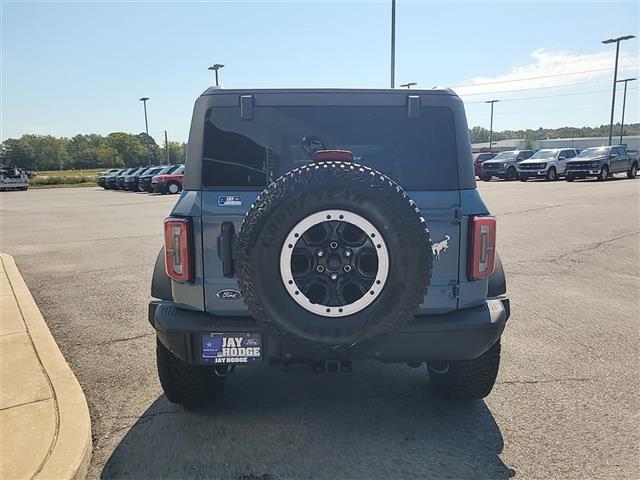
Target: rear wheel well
[[160, 282], [497, 281]]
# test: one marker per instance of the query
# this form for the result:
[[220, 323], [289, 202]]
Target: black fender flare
[[160, 282], [497, 281]]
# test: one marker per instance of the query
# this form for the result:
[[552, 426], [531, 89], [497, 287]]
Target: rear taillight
[[333, 156], [177, 248], [482, 260]]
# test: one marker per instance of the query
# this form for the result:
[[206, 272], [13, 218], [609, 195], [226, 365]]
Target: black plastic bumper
[[459, 335], [494, 173], [159, 187]]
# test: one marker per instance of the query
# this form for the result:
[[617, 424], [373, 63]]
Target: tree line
[[118, 149], [481, 134]]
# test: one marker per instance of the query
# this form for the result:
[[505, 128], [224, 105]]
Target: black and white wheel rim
[[173, 188], [334, 263]]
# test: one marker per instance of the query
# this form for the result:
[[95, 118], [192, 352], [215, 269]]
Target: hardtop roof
[[390, 91]]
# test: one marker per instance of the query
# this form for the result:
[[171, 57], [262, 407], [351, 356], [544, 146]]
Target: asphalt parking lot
[[566, 404]]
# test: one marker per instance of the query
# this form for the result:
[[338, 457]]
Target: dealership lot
[[566, 403]]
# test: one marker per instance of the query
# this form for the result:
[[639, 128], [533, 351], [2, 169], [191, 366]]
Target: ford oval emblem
[[228, 294]]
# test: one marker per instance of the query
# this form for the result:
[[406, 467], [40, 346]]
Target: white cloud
[[552, 69]]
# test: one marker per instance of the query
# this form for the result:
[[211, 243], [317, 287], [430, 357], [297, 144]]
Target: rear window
[[419, 154]]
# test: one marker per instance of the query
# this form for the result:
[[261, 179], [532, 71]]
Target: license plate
[[232, 348]]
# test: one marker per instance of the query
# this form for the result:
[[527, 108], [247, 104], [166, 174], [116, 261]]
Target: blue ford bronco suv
[[326, 226]]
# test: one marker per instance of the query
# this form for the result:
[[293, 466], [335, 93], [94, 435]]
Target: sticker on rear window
[[229, 201]]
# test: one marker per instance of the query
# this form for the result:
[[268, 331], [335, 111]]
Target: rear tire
[[485, 178], [186, 384], [570, 178], [465, 380], [633, 171]]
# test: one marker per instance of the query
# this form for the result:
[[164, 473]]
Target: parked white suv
[[548, 164]]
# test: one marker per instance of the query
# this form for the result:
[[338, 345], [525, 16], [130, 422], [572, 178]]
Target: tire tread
[[469, 379], [183, 383]]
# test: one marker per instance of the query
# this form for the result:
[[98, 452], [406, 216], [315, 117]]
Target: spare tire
[[333, 253]]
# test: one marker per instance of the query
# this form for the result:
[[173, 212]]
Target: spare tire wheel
[[333, 253]]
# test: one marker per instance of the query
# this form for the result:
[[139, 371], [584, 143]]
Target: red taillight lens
[[177, 249], [333, 155], [483, 247]]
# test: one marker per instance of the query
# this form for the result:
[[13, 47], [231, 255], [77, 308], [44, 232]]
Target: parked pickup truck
[[602, 162], [13, 178], [479, 158], [548, 163], [168, 182], [504, 165]]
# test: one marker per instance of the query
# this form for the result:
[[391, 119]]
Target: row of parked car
[[159, 179], [553, 163]]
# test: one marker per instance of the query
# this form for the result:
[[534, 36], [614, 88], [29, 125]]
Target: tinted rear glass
[[419, 154]]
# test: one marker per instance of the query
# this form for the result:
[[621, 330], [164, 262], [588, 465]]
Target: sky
[[80, 67]]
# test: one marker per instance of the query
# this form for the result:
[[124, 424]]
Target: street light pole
[[624, 103], [146, 123], [393, 43], [491, 125], [615, 77], [408, 85], [215, 67]]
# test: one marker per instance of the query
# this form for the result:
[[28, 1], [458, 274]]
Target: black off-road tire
[[633, 171], [511, 174], [324, 186], [485, 178], [569, 178], [467, 379], [185, 384]]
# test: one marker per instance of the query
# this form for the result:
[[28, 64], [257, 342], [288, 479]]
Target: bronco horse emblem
[[440, 247]]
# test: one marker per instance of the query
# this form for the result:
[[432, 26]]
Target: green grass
[[61, 179], [73, 173], [64, 185]]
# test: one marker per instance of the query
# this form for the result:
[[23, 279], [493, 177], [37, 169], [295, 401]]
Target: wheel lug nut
[[320, 268], [334, 276], [333, 245], [347, 268]]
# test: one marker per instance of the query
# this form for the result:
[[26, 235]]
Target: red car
[[480, 157], [169, 182]]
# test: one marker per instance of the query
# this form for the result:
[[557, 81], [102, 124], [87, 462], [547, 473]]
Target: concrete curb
[[69, 451]]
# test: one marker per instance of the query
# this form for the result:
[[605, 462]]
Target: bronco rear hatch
[[240, 141]]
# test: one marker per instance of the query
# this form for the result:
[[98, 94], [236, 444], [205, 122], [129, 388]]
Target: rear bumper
[[459, 335]]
